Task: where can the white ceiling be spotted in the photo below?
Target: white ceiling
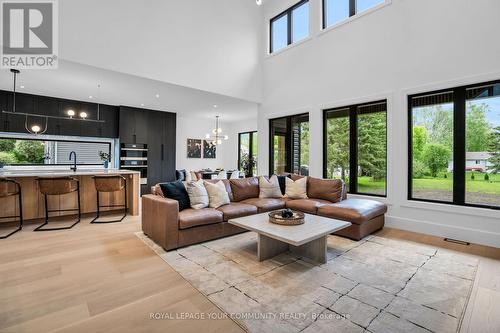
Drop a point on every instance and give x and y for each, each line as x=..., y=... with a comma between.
x=76, y=81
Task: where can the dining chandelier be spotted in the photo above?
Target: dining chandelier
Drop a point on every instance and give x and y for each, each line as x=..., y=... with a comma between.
x=216, y=136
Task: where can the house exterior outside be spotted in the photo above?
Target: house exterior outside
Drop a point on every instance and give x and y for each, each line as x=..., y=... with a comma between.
x=474, y=161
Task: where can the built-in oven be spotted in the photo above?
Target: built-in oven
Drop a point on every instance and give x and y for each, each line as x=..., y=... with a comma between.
x=134, y=156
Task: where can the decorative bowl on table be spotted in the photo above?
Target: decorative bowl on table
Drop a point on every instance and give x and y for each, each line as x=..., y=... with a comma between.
x=286, y=217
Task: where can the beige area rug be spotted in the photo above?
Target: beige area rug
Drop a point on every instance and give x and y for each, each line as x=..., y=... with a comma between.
x=374, y=285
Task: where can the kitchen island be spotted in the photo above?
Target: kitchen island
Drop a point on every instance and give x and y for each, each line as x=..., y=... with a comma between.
x=33, y=201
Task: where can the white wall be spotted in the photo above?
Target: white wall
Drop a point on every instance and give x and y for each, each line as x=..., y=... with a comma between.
x=399, y=49
x=207, y=45
x=196, y=128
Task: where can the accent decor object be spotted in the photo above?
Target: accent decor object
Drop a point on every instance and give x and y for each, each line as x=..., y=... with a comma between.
x=286, y=217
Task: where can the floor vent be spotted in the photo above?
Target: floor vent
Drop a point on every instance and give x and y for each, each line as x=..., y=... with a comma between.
x=456, y=241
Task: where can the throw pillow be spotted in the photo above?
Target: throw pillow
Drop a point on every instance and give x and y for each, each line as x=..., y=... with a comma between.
x=176, y=191
x=244, y=188
x=326, y=189
x=194, y=176
x=296, y=189
x=217, y=194
x=188, y=176
x=282, y=182
x=198, y=195
x=269, y=188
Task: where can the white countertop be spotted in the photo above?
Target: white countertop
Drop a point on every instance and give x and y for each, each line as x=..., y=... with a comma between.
x=47, y=172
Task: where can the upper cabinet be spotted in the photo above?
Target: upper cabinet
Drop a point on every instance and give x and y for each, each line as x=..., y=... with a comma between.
x=58, y=107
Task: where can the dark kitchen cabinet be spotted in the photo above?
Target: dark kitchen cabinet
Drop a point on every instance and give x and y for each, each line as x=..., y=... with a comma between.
x=157, y=130
x=133, y=125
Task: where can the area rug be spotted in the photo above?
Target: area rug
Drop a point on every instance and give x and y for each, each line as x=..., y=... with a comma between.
x=376, y=285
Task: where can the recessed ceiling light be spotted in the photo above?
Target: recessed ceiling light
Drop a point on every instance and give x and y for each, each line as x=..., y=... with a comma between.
x=142, y=104
x=157, y=96
x=258, y=2
x=90, y=97
x=22, y=87
x=216, y=106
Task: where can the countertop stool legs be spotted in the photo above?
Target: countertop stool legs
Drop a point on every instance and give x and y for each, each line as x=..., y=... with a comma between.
x=59, y=186
x=110, y=184
x=10, y=188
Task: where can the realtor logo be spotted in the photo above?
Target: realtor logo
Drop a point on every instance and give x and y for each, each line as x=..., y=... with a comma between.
x=29, y=34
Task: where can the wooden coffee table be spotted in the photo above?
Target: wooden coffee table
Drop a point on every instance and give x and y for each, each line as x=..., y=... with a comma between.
x=308, y=239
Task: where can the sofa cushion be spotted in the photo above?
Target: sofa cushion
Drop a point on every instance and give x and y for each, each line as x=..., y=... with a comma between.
x=353, y=210
x=226, y=184
x=245, y=188
x=237, y=209
x=306, y=205
x=269, y=188
x=326, y=189
x=195, y=217
x=296, y=189
x=176, y=191
x=198, y=195
x=265, y=204
x=217, y=194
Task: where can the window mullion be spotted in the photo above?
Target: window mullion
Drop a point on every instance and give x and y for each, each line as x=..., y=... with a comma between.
x=352, y=7
x=459, y=146
x=289, y=27
x=353, y=149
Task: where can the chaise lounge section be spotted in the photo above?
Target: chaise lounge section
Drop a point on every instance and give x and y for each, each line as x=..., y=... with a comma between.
x=171, y=229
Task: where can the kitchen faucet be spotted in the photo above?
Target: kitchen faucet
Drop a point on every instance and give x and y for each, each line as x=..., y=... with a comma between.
x=74, y=162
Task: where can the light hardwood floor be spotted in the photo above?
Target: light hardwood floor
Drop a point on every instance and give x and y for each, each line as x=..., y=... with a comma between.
x=102, y=278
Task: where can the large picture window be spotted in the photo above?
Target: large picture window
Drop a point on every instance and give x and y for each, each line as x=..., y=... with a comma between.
x=247, y=153
x=290, y=26
x=289, y=145
x=454, y=146
x=355, y=147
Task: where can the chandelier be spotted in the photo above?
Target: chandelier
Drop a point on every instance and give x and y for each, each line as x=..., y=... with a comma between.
x=35, y=127
x=216, y=137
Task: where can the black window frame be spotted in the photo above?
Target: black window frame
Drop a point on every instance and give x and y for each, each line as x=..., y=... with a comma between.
x=288, y=14
x=352, y=11
x=250, y=145
x=459, y=144
x=352, y=114
x=288, y=140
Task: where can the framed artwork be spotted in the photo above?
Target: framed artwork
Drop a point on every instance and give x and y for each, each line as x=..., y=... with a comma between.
x=209, y=149
x=194, y=148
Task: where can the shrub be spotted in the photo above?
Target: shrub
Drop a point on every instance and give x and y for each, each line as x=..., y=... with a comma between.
x=436, y=157
x=29, y=151
x=7, y=158
x=486, y=177
x=472, y=177
x=7, y=145
x=419, y=169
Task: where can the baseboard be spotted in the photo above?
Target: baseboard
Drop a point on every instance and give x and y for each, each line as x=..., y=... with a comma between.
x=435, y=229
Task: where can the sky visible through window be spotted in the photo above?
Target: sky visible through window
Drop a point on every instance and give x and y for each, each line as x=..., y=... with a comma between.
x=362, y=5
x=280, y=33
x=300, y=22
x=336, y=11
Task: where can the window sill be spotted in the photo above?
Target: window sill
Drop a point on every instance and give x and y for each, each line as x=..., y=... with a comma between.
x=288, y=47
x=353, y=18
x=454, y=209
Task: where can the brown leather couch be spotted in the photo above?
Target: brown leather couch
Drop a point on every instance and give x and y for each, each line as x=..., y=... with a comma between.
x=171, y=229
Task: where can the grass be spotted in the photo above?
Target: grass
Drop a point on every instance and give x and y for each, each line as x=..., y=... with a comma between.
x=478, y=185
x=446, y=184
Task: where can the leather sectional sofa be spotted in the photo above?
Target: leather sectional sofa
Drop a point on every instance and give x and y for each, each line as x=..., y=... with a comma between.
x=171, y=229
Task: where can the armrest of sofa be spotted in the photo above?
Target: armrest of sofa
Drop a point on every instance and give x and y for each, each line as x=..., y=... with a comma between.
x=160, y=220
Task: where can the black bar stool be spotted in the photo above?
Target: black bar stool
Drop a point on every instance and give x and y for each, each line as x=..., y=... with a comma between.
x=110, y=183
x=58, y=186
x=10, y=188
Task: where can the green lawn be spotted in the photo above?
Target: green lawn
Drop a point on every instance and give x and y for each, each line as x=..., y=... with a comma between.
x=446, y=184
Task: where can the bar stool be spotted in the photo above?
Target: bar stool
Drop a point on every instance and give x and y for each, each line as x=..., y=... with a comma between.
x=10, y=188
x=110, y=183
x=58, y=186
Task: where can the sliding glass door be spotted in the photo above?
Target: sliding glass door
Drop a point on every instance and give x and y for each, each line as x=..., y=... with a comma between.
x=247, y=156
x=289, y=145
